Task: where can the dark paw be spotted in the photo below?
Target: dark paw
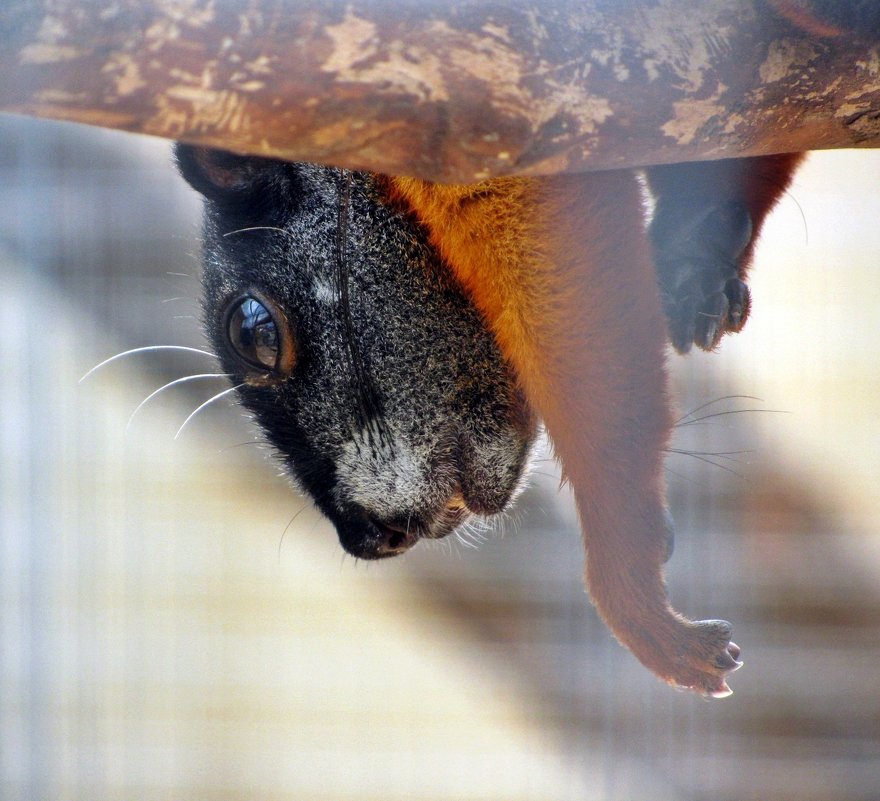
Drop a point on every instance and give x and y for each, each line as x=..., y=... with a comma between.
x=714, y=657
x=723, y=312
x=696, y=251
x=690, y=655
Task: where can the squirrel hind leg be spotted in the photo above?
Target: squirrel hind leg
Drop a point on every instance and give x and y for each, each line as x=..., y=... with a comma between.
x=707, y=220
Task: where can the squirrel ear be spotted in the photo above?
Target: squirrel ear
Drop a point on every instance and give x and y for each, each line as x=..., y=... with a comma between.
x=218, y=174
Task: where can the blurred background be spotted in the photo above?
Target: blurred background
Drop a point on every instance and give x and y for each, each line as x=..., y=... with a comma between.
x=177, y=623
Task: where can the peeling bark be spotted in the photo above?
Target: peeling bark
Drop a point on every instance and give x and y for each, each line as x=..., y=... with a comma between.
x=449, y=91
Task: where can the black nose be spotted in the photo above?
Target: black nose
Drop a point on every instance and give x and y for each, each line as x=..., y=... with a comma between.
x=369, y=538
x=394, y=538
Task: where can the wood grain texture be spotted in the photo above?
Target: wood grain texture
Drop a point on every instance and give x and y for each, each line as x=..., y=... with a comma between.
x=455, y=91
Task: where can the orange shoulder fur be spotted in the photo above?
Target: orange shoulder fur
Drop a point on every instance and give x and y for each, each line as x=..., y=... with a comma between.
x=560, y=268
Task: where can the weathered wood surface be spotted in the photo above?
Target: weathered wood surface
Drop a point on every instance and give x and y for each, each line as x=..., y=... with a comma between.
x=446, y=90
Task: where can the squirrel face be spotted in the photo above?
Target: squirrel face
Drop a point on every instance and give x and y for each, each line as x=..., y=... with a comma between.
x=368, y=369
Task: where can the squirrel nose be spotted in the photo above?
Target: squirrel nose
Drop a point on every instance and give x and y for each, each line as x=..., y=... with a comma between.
x=368, y=537
x=393, y=538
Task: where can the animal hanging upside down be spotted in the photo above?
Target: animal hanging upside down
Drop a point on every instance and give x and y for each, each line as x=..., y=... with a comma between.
x=397, y=341
x=343, y=304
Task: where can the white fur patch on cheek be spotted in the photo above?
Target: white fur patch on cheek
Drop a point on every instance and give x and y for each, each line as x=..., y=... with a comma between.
x=388, y=478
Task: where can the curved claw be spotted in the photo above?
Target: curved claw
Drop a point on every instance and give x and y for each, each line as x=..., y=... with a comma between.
x=723, y=691
x=739, y=303
x=712, y=321
x=727, y=661
x=713, y=679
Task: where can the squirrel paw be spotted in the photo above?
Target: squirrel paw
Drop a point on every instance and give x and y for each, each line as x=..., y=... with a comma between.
x=708, y=658
x=690, y=655
x=723, y=312
x=702, y=292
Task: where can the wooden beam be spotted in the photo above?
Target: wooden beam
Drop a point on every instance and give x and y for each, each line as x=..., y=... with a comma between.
x=452, y=91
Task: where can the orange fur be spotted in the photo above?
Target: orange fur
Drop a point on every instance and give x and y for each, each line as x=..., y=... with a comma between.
x=563, y=276
x=561, y=270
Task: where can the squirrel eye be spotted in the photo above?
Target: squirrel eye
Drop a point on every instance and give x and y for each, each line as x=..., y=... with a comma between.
x=256, y=332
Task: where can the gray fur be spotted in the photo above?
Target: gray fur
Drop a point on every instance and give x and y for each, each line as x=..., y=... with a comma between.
x=399, y=405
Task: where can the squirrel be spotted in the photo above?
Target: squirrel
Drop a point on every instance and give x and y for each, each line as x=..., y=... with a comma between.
x=398, y=340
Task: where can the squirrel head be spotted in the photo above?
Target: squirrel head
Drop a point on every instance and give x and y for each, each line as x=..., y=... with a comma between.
x=364, y=363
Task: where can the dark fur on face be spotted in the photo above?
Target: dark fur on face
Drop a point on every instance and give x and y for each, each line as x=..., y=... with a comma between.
x=389, y=403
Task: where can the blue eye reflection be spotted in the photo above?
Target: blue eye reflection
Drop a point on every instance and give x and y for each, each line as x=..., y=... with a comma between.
x=253, y=334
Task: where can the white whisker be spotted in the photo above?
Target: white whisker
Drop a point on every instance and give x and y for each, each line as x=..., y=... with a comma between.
x=447, y=545
x=289, y=524
x=144, y=350
x=282, y=473
x=466, y=537
x=170, y=384
x=257, y=228
x=206, y=403
x=466, y=542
